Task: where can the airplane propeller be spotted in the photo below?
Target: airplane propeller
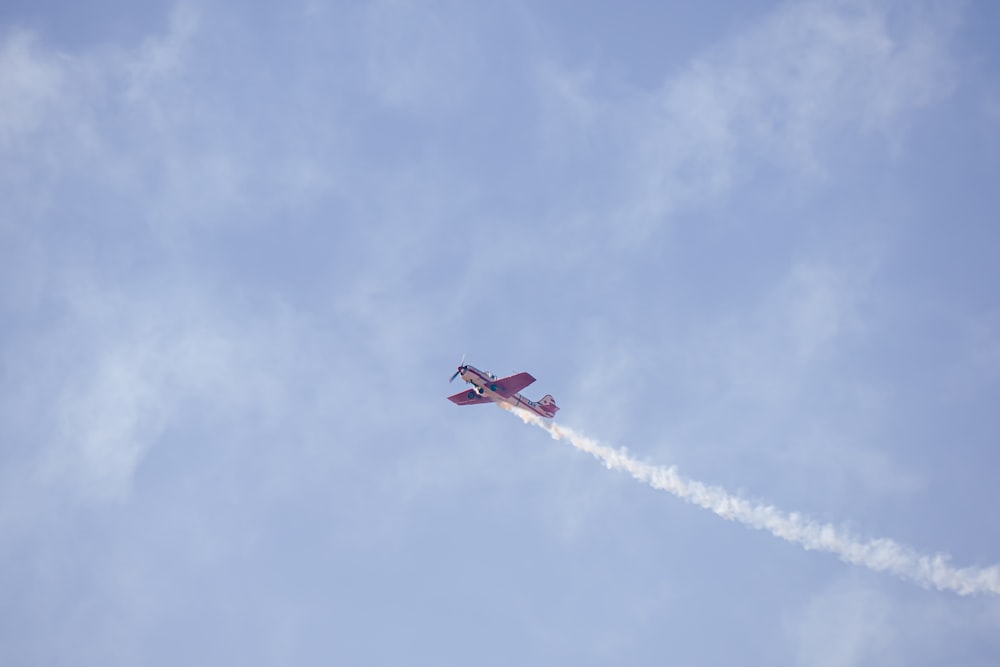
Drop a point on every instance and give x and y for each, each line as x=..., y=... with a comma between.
x=461, y=365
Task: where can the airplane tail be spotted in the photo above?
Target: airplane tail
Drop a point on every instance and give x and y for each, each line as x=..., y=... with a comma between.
x=548, y=405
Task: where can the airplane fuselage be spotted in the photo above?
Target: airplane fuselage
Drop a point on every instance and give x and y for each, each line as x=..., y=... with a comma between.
x=485, y=385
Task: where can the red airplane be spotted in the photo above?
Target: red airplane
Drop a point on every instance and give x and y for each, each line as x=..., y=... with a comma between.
x=488, y=388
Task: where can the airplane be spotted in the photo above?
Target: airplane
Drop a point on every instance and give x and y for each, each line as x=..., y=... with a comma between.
x=488, y=388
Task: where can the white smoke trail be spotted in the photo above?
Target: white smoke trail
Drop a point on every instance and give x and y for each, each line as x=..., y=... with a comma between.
x=882, y=555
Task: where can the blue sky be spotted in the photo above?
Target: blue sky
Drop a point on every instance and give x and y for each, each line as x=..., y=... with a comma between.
x=242, y=248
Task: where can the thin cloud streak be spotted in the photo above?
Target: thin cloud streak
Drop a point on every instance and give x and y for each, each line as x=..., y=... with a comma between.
x=880, y=554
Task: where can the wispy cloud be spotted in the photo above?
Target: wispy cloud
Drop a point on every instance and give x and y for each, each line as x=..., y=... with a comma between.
x=417, y=60
x=845, y=626
x=29, y=82
x=783, y=90
x=778, y=96
x=129, y=371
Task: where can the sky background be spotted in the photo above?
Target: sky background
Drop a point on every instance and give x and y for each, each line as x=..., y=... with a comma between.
x=243, y=246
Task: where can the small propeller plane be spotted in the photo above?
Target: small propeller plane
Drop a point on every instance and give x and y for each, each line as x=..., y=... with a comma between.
x=488, y=388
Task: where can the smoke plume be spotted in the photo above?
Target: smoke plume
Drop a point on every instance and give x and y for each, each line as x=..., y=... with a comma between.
x=881, y=555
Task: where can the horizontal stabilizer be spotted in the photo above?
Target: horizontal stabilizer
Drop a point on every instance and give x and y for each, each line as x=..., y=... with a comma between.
x=548, y=405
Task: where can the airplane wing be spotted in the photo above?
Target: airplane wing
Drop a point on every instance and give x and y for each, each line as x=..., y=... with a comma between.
x=468, y=397
x=512, y=384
